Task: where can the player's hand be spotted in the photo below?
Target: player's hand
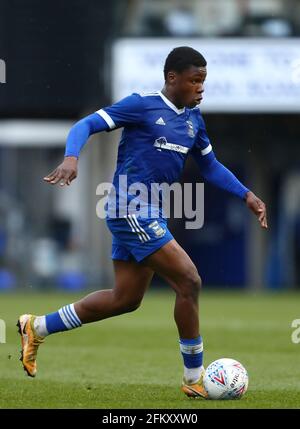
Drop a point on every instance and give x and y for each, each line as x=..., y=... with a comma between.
x=64, y=173
x=258, y=207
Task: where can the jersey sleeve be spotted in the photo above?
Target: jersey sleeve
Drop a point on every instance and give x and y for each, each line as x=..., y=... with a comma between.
x=202, y=147
x=81, y=131
x=128, y=111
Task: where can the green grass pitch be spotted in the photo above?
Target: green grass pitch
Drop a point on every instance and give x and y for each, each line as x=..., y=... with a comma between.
x=133, y=360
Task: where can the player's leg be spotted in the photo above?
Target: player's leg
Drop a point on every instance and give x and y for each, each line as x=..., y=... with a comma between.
x=131, y=282
x=173, y=264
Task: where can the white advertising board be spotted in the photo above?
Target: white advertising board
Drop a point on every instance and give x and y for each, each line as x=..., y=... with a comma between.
x=244, y=75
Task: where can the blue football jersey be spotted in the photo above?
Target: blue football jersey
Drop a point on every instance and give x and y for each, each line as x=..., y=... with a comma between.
x=156, y=139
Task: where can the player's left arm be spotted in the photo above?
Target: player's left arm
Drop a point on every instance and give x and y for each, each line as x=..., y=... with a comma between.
x=217, y=174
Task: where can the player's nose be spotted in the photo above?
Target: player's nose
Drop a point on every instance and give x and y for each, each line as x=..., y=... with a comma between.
x=200, y=89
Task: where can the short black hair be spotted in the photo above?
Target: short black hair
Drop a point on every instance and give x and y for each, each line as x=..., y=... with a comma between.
x=181, y=58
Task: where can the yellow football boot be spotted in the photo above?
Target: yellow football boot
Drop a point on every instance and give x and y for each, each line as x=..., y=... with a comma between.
x=30, y=343
x=195, y=390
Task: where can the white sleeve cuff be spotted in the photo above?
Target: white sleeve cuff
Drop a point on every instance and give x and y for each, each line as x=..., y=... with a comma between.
x=206, y=150
x=107, y=118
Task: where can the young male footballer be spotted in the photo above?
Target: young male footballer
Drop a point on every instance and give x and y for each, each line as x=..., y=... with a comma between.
x=160, y=130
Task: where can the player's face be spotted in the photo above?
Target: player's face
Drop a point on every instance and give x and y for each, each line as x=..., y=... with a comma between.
x=188, y=86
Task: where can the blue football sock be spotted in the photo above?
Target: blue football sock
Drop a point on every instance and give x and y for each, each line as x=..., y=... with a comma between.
x=62, y=320
x=192, y=353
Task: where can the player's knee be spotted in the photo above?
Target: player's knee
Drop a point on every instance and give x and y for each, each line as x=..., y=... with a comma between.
x=194, y=283
x=191, y=284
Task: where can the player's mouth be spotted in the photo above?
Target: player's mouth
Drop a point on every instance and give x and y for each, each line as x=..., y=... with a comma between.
x=198, y=100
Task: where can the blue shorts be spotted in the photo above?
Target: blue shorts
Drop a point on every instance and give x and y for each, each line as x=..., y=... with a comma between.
x=137, y=237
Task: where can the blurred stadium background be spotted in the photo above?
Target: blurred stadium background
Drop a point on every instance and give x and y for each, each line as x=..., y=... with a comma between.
x=64, y=62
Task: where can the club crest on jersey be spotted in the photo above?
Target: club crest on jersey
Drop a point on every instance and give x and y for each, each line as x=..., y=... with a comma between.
x=157, y=229
x=190, y=127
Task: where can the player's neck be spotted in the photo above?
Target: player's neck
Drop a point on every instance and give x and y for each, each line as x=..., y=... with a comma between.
x=168, y=93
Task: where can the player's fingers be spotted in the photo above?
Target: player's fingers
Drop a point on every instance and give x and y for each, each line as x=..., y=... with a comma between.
x=56, y=179
x=254, y=206
x=71, y=178
x=256, y=210
x=50, y=179
x=50, y=176
x=67, y=178
x=263, y=221
x=260, y=206
x=69, y=181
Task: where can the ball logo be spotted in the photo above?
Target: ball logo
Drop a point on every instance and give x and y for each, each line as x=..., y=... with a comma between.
x=234, y=380
x=218, y=377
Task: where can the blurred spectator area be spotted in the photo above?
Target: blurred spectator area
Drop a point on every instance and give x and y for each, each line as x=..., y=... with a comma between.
x=47, y=233
x=212, y=18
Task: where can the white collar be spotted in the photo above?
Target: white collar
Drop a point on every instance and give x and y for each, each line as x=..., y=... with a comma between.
x=170, y=104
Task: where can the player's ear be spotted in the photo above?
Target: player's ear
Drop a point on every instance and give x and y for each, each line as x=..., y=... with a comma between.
x=171, y=77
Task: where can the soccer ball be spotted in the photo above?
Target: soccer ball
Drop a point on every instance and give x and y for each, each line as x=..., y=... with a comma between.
x=225, y=379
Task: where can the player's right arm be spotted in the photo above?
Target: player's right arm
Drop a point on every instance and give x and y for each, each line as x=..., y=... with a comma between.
x=128, y=111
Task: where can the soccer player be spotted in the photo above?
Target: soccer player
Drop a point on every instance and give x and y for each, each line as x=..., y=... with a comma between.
x=160, y=130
